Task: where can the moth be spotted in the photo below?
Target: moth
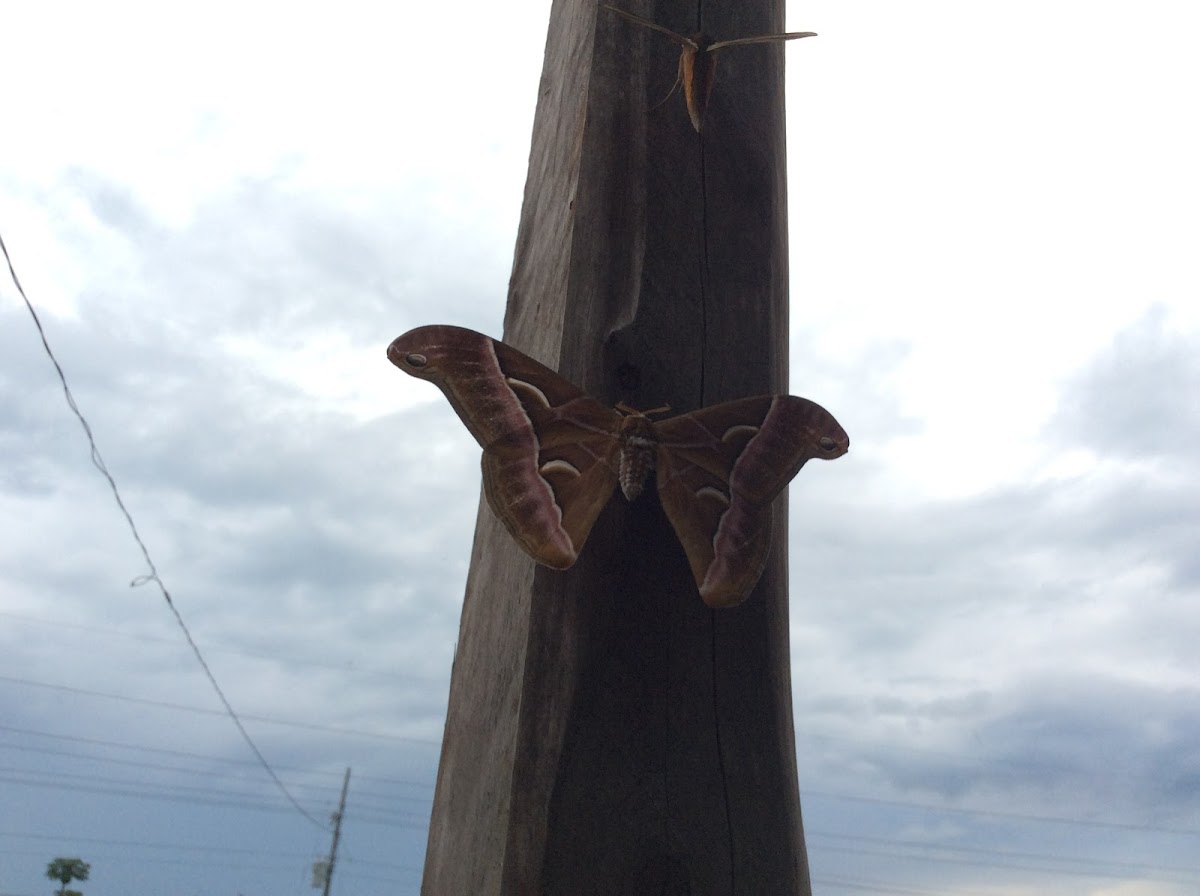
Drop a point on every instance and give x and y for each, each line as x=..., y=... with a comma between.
x=552, y=456
x=698, y=61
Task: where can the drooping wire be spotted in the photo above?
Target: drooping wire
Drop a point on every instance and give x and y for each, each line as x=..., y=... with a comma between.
x=152, y=576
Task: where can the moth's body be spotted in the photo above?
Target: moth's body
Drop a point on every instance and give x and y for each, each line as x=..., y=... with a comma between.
x=638, y=447
x=698, y=61
x=697, y=73
x=552, y=456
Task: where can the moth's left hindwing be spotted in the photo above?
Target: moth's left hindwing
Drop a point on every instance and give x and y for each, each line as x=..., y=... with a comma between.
x=549, y=451
x=720, y=468
x=548, y=490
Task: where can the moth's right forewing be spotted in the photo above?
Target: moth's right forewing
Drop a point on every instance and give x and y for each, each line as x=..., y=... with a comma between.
x=789, y=436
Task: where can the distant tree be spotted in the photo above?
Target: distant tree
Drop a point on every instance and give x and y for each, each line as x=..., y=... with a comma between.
x=67, y=870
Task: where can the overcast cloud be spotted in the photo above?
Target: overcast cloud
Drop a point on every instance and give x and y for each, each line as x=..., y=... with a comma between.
x=224, y=215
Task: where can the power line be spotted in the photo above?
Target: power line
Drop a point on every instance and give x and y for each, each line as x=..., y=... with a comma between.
x=999, y=813
x=150, y=860
x=41, y=778
x=1136, y=867
x=382, y=815
x=370, y=817
x=350, y=860
x=807, y=749
x=930, y=853
x=191, y=847
x=161, y=797
x=809, y=792
x=927, y=852
x=926, y=860
x=420, y=823
x=38, y=776
x=163, y=704
x=153, y=576
x=183, y=847
x=399, y=821
x=873, y=887
x=353, y=875
x=353, y=668
x=205, y=756
x=228, y=775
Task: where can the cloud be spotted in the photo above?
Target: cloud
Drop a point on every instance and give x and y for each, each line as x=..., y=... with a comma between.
x=993, y=595
x=1137, y=401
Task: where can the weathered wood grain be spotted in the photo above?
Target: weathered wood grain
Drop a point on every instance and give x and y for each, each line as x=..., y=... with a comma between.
x=607, y=733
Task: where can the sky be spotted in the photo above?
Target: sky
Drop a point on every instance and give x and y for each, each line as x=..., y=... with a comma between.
x=224, y=213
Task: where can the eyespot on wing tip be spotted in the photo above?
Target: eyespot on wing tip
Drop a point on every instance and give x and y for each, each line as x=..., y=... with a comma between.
x=396, y=353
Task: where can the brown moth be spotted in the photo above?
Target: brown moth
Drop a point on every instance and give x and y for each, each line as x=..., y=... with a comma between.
x=698, y=61
x=552, y=456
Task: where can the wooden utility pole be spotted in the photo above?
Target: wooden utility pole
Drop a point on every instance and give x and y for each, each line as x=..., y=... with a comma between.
x=337, y=834
x=607, y=733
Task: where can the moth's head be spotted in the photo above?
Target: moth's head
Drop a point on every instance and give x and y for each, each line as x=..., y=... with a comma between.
x=423, y=352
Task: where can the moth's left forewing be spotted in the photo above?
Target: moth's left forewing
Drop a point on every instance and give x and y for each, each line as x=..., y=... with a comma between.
x=549, y=451
x=720, y=468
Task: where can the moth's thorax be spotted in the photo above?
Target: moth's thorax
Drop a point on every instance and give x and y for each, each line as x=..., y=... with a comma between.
x=638, y=445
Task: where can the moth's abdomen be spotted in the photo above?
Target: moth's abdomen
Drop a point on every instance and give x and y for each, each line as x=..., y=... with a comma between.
x=637, y=460
x=638, y=447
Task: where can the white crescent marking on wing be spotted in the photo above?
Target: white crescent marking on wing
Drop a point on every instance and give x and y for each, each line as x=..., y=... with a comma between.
x=530, y=388
x=735, y=431
x=558, y=466
x=709, y=492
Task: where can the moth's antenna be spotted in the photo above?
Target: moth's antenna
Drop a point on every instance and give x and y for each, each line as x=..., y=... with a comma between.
x=634, y=412
x=670, y=92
